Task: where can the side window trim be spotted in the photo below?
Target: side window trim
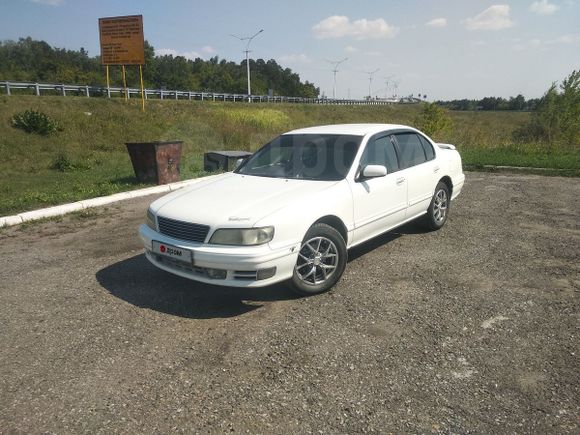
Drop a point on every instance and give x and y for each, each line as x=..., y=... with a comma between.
x=393, y=140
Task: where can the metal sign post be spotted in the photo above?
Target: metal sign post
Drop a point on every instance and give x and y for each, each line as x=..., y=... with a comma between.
x=142, y=89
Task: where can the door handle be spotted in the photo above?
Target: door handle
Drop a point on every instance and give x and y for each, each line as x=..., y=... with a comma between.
x=436, y=169
x=400, y=181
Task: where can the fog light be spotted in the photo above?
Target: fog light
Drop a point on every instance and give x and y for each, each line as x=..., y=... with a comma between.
x=266, y=273
x=216, y=273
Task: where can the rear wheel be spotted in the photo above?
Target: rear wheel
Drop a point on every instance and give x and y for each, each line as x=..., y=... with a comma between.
x=321, y=260
x=438, y=208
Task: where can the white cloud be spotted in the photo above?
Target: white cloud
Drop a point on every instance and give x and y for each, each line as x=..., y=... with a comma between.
x=338, y=26
x=192, y=55
x=208, y=49
x=294, y=58
x=351, y=49
x=565, y=39
x=373, y=53
x=49, y=2
x=437, y=22
x=538, y=44
x=542, y=7
x=496, y=17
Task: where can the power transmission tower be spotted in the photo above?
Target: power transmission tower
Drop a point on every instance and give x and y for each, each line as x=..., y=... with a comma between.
x=247, y=51
x=335, y=63
x=371, y=73
x=389, y=83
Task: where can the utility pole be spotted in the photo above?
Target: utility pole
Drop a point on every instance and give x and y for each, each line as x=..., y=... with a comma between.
x=247, y=51
x=371, y=73
x=335, y=63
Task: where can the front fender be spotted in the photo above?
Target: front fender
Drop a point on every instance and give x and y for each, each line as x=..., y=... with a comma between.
x=293, y=221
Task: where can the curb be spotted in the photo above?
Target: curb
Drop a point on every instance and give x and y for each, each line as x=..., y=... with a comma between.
x=60, y=210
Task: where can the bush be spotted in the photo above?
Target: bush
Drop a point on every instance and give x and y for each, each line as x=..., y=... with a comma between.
x=62, y=163
x=433, y=119
x=32, y=121
x=556, y=120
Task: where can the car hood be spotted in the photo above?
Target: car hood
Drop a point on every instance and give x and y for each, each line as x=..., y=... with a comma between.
x=235, y=200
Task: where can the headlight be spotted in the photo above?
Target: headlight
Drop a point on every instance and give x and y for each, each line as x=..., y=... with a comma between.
x=151, y=220
x=242, y=236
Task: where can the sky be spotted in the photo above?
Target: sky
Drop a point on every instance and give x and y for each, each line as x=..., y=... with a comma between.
x=445, y=49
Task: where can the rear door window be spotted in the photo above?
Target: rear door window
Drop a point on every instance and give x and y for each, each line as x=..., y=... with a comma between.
x=411, y=149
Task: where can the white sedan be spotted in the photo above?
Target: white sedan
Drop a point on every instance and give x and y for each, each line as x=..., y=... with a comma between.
x=291, y=211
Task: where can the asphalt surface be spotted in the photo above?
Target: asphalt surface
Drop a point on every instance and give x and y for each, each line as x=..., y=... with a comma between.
x=470, y=329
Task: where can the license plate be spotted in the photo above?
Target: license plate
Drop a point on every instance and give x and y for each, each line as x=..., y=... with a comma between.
x=166, y=250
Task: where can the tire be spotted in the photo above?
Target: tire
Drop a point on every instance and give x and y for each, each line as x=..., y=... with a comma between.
x=438, y=210
x=321, y=261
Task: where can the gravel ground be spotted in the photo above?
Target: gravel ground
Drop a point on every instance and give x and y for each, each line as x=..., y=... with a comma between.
x=470, y=329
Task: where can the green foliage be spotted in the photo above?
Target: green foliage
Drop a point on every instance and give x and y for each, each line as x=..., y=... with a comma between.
x=36, y=61
x=62, y=163
x=567, y=162
x=556, y=120
x=492, y=104
x=433, y=119
x=32, y=121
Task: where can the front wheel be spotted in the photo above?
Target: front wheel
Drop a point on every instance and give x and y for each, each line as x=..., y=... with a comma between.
x=321, y=260
x=438, y=208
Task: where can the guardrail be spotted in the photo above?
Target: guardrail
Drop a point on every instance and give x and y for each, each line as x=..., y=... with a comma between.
x=103, y=91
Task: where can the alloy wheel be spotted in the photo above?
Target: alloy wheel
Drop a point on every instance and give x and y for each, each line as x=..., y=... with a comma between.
x=440, y=206
x=317, y=260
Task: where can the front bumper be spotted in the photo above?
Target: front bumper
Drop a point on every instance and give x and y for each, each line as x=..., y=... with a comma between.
x=244, y=266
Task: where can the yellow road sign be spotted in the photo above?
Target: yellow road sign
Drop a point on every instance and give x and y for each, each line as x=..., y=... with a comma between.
x=122, y=41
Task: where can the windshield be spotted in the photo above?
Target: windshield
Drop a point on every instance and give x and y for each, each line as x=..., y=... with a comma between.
x=324, y=157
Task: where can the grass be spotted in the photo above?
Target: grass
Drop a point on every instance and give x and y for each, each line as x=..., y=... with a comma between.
x=513, y=156
x=88, y=157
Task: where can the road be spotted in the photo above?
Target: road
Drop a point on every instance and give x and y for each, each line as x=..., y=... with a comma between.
x=470, y=329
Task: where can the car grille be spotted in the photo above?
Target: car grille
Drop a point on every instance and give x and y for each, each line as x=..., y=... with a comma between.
x=182, y=230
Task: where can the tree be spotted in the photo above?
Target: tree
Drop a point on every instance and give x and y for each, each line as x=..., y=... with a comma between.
x=517, y=103
x=37, y=61
x=556, y=119
x=433, y=119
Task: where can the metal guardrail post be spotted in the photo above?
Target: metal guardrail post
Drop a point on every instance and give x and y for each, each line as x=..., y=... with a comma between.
x=63, y=90
x=87, y=91
x=37, y=89
x=8, y=88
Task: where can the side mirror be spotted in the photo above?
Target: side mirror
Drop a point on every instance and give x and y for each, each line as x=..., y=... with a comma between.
x=373, y=171
x=238, y=163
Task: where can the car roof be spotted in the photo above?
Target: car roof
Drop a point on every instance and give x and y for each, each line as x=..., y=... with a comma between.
x=351, y=129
